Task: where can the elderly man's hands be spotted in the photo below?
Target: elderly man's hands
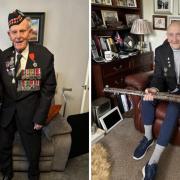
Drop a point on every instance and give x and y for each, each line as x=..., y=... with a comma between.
x=149, y=94
x=37, y=126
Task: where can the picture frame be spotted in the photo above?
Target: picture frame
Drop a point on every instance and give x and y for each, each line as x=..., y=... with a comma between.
x=147, y=47
x=130, y=19
x=96, y=1
x=163, y=6
x=108, y=2
x=159, y=22
x=103, y=2
x=38, y=20
x=173, y=18
x=121, y=3
x=131, y=3
x=109, y=16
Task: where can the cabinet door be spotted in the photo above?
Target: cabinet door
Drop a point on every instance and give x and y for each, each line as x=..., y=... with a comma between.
x=115, y=81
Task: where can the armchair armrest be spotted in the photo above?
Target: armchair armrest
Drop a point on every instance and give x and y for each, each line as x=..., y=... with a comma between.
x=57, y=126
x=138, y=81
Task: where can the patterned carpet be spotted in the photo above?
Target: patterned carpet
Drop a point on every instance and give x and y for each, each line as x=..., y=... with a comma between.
x=120, y=144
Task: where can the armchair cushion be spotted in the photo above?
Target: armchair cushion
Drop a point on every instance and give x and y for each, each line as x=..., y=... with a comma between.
x=53, y=111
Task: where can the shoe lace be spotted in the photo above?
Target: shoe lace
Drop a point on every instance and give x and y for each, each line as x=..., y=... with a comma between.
x=143, y=143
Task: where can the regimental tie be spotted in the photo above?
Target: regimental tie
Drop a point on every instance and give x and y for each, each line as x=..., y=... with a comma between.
x=18, y=64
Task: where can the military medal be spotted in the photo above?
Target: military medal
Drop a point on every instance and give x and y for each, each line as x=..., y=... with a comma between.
x=165, y=71
x=13, y=81
x=35, y=64
x=32, y=57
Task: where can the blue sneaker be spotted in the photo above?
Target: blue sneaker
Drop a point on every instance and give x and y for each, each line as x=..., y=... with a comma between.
x=141, y=149
x=149, y=171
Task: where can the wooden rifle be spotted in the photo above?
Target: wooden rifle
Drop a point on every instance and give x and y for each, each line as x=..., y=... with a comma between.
x=160, y=95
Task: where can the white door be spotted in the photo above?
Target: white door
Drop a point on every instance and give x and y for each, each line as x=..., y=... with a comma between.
x=85, y=96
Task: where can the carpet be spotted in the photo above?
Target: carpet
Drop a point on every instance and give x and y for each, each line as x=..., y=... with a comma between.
x=100, y=163
x=77, y=169
x=120, y=143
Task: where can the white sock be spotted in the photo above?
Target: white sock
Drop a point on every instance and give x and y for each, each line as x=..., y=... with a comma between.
x=148, y=131
x=156, y=154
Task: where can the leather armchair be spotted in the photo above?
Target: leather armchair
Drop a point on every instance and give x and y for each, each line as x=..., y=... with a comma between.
x=140, y=81
x=56, y=144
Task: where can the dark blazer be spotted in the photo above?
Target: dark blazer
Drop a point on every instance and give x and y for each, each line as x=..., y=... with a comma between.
x=31, y=106
x=164, y=77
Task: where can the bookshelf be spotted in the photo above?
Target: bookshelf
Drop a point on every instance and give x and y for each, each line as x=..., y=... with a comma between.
x=121, y=11
x=113, y=73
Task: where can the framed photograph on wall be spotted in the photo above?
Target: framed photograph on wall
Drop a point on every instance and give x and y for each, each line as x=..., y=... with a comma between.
x=131, y=3
x=109, y=16
x=173, y=18
x=159, y=22
x=38, y=19
x=130, y=19
x=163, y=6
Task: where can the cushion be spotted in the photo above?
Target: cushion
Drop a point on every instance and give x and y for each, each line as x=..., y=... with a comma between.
x=53, y=112
x=80, y=134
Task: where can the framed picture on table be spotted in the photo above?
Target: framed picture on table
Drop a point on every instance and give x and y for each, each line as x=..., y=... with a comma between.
x=131, y=3
x=109, y=16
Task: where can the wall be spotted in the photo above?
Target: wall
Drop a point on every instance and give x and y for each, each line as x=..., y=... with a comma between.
x=158, y=36
x=66, y=35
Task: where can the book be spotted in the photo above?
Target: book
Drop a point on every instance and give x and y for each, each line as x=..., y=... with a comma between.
x=98, y=46
x=94, y=51
x=124, y=102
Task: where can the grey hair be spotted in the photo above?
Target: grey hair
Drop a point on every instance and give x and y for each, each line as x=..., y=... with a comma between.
x=29, y=21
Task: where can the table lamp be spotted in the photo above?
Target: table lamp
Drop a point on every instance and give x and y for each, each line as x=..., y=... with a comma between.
x=141, y=27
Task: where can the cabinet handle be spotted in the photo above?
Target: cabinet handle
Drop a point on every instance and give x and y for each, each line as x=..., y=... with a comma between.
x=117, y=68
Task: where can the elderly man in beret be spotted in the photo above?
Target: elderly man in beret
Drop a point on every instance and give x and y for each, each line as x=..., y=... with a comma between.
x=28, y=86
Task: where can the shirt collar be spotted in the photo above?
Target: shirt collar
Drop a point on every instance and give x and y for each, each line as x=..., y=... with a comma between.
x=25, y=52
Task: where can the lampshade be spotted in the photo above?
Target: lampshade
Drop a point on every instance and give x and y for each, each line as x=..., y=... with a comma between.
x=141, y=26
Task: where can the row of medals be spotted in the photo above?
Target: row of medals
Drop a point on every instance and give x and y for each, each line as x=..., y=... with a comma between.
x=11, y=68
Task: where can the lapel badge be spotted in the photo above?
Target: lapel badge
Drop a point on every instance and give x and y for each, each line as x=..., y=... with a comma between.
x=34, y=64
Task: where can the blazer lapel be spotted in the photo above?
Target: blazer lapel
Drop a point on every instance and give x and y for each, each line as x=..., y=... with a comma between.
x=30, y=60
x=9, y=60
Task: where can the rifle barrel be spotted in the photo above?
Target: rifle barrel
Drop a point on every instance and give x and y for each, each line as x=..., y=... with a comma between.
x=161, y=95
